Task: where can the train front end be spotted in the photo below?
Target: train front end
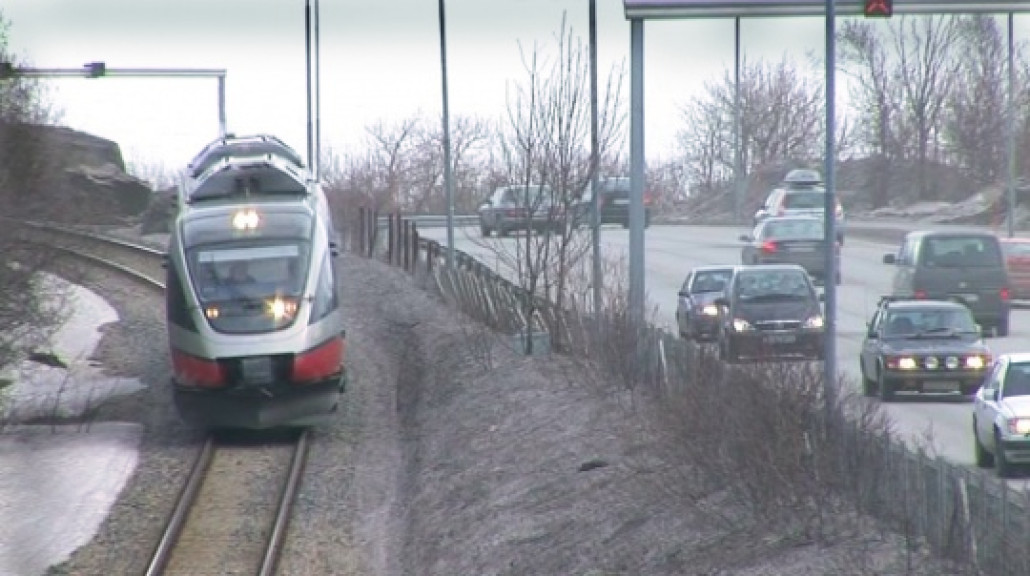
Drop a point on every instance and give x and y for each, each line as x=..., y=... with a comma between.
x=254, y=326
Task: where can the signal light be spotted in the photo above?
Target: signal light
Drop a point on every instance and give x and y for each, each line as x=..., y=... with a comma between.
x=95, y=69
x=878, y=8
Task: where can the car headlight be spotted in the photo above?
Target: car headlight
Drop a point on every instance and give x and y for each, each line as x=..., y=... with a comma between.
x=814, y=322
x=1019, y=426
x=710, y=310
x=741, y=325
x=951, y=362
x=931, y=363
x=901, y=363
x=975, y=362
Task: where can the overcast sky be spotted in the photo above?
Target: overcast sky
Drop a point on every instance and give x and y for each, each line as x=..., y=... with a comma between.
x=380, y=61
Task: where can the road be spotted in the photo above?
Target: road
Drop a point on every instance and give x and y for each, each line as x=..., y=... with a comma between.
x=941, y=423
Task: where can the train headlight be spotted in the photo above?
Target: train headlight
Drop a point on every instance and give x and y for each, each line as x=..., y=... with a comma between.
x=282, y=308
x=246, y=219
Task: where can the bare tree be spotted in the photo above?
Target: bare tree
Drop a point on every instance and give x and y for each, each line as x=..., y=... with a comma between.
x=31, y=308
x=781, y=120
x=926, y=69
x=544, y=150
x=976, y=124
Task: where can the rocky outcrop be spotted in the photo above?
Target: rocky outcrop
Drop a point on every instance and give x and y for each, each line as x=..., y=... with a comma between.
x=57, y=173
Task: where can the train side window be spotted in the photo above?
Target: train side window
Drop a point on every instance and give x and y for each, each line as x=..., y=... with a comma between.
x=325, y=300
x=175, y=300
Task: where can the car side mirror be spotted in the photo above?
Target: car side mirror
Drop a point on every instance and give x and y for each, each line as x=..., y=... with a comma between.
x=889, y=259
x=744, y=238
x=684, y=293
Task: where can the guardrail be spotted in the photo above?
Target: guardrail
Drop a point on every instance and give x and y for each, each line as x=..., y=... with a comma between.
x=959, y=512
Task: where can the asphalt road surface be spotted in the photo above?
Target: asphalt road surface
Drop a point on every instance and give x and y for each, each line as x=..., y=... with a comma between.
x=940, y=422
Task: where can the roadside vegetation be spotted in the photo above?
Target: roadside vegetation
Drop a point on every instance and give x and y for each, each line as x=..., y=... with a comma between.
x=31, y=309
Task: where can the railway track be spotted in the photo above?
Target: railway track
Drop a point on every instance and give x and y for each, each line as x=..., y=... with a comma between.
x=233, y=512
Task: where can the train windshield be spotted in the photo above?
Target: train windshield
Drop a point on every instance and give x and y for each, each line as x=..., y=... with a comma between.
x=249, y=288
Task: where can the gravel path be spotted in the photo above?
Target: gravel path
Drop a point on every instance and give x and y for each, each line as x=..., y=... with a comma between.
x=451, y=456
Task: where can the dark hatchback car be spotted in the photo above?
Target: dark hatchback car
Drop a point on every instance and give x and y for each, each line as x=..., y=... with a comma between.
x=771, y=312
x=613, y=203
x=697, y=315
x=790, y=240
x=926, y=346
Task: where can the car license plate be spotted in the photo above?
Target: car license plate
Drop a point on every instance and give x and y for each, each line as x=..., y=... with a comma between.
x=621, y=201
x=940, y=386
x=257, y=370
x=780, y=338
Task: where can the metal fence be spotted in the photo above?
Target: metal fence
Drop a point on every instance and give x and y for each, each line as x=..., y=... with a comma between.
x=960, y=513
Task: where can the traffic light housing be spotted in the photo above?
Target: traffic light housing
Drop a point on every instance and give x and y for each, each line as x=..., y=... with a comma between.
x=95, y=69
x=878, y=8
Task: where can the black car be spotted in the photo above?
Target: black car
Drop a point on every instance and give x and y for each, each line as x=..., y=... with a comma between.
x=927, y=346
x=790, y=240
x=697, y=315
x=613, y=203
x=771, y=311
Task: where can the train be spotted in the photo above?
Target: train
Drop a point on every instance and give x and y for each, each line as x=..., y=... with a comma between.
x=255, y=329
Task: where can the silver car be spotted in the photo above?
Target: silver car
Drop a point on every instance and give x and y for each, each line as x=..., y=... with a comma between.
x=697, y=316
x=521, y=208
x=1001, y=415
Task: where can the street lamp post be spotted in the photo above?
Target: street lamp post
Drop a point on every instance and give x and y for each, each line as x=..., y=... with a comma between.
x=99, y=70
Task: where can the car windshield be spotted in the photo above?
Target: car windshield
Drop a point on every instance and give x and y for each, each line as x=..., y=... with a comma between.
x=774, y=285
x=932, y=322
x=1017, y=380
x=710, y=281
x=800, y=229
x=805, y=200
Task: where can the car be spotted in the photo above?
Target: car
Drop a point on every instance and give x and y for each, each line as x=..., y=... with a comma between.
x=1017, y=258
x=697, y=315
x=801, y=193
x=964, y=265
x=530, y=208
x=925, y=346
x=613, y=203
x=1001, y=415
x=790, y=240
x=770, y=312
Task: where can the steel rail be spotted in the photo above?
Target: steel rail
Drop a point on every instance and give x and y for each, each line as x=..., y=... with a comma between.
x=273, y=548
x=170, y=536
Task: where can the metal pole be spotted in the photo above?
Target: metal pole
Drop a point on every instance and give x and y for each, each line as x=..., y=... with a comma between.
x=448, y=178
x=830, y=215
x=318, y=99
x=222, y=130
x=738, y=157
x=307, y=56
x=1011, y=144
x=636, y=160
x=595, y=213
